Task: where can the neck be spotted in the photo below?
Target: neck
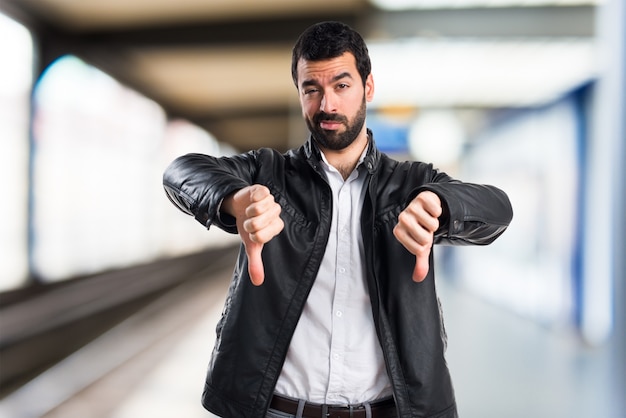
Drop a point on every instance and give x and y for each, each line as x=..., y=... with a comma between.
x=345, y=160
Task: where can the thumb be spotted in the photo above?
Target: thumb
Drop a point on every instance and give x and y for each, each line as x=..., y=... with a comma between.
x=421, y=267
x=255, y=263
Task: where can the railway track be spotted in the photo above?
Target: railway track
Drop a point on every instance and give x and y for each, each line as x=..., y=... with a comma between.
x=133, y=335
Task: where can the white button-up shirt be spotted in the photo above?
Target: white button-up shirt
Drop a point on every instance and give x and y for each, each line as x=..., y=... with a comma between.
x=335, y=356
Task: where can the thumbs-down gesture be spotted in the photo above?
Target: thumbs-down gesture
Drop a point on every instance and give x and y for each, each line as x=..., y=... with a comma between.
x=415, y=230
x=258, y=221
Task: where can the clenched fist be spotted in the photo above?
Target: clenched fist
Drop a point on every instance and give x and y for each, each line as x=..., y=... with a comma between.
x=258, y=221
x=416, y=227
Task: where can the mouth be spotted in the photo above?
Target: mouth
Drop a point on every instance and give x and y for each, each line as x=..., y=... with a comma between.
x=329, y=125
x=329, y=122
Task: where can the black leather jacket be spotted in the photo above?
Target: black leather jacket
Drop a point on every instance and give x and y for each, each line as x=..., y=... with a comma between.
x=257, y=323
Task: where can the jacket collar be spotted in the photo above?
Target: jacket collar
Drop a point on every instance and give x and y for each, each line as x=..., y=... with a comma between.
x=370, y=162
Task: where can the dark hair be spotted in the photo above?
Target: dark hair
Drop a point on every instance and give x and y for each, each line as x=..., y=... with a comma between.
x=327, y=40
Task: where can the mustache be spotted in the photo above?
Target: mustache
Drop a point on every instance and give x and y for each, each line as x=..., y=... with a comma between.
x=323, y=116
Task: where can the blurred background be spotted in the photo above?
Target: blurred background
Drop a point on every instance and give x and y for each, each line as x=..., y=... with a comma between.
x=109, y=295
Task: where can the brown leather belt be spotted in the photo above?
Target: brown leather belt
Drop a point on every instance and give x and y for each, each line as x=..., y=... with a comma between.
x=381, y=409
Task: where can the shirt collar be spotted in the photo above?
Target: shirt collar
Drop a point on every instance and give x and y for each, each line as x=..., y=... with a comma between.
x=371, y=157
x=327, y=165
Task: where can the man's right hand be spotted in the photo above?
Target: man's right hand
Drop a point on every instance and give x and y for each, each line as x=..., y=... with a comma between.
x=258, y=221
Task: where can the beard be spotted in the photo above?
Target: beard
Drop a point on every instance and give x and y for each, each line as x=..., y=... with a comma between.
x=334, y=140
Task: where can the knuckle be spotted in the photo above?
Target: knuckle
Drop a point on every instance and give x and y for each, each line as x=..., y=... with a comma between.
x=277, y=208
x=252, y=225
x=248, y=226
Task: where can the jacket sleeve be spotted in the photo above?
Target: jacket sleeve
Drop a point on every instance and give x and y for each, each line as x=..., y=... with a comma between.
x=197, y=184
x=474, y=214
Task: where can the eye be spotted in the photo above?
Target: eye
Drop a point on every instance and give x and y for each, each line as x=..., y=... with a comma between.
x=342, y=86
x=310, y=91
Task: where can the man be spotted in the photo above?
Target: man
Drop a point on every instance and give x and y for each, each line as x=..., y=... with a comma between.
x=332, y=309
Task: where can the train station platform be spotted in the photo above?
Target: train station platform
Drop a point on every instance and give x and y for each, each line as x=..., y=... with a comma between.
x=153, y=364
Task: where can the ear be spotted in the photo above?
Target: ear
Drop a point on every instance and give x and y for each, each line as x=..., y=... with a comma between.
x=369, y=88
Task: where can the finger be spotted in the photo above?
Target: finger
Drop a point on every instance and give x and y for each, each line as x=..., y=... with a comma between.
x=411, y=233
x=430, y=224
x=420, y=250
x=433, y=206
x=417, y=215
x=421, y=267
x=258, y=192
x=430, y=202
x=268, y=232
x=264, y=227
x=255, y=263
x=267, y=206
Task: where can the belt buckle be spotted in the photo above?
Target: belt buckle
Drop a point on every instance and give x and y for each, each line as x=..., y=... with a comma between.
x=327, y=414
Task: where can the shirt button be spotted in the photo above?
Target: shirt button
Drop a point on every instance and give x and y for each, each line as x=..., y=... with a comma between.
x=342, y=270
x=339, y=314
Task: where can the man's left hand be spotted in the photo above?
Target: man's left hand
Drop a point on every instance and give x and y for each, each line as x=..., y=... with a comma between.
x=416, y=228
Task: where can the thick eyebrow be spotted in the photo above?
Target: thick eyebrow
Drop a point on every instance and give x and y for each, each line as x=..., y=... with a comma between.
x=345, y=74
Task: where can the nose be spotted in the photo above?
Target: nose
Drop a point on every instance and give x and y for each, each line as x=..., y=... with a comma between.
x=328, y=103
